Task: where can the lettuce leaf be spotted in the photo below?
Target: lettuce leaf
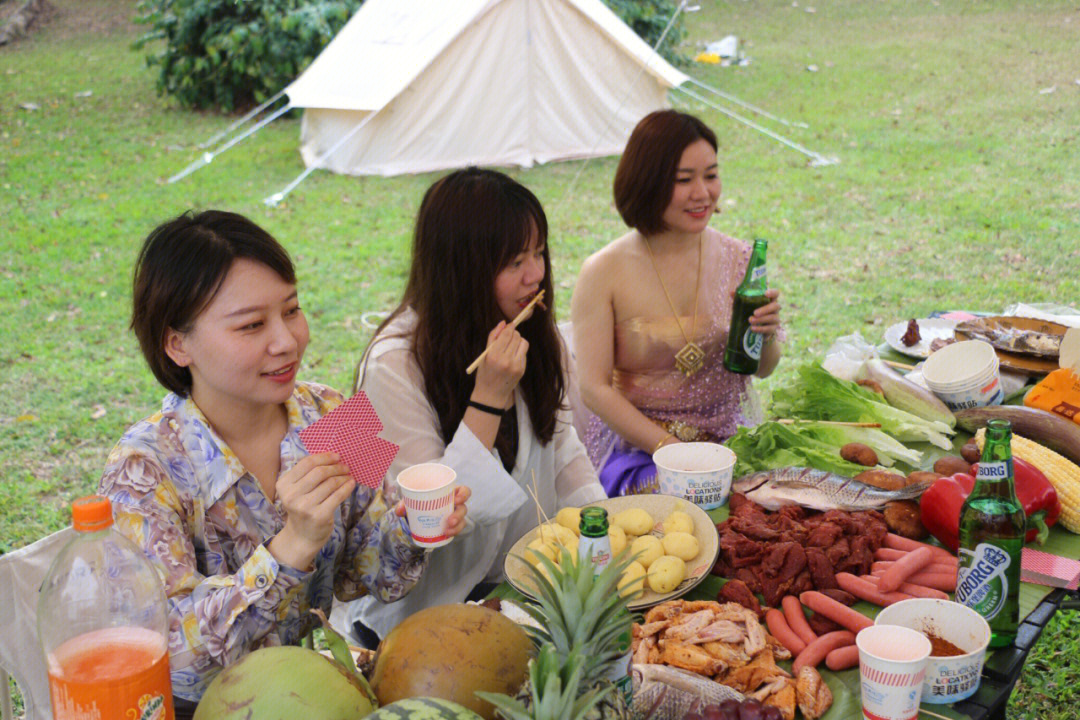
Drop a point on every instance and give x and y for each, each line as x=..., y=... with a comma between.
x=772, y=445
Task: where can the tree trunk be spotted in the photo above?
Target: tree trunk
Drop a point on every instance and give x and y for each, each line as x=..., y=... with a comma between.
x=21, y=20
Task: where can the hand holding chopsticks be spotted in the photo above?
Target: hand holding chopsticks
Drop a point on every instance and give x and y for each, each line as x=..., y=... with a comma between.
x=521, y=317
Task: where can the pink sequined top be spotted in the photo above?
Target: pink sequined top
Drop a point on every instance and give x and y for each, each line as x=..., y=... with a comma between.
x=712, y=399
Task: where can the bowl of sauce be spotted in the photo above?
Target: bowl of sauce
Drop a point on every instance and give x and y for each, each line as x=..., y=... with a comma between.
x=958, y=639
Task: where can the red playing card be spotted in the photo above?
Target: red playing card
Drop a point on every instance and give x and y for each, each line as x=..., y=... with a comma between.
x=368, y=458
x=1045, y=568
x=350, y=430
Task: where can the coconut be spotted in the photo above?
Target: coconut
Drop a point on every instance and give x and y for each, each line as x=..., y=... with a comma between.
x=450, y=652
x=284, y=683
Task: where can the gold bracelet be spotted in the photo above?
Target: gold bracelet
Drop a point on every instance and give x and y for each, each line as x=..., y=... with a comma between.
x=662, y=441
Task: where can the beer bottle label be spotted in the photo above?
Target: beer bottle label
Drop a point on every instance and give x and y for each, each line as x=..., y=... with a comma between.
x=995, y=471
x=595, y=551
x=981, y=582
x=752, y=344
x=758, y=273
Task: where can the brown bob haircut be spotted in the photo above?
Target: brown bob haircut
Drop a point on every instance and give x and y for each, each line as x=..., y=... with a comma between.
x=645, y=178
x=179, y=270
x=471, y=225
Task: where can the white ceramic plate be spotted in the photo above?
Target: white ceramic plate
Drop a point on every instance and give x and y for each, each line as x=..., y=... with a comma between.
x=658, y=506
x=930, y=329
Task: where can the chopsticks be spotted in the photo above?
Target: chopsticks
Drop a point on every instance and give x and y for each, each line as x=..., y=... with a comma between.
x=789, y=421
x=898, y=365
x=521, y=317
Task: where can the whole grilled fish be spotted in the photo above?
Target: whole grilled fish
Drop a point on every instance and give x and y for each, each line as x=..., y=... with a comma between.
x=1012, y=339
x=667, y=693
x=818, y=490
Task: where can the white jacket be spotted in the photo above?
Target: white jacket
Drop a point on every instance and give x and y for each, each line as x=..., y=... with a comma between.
x=501, y=509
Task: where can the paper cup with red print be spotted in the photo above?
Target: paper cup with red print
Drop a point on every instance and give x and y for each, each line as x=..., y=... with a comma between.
x=892, y=664
x=428, y=492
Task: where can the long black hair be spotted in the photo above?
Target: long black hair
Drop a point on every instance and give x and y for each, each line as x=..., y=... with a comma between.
x=472, y=223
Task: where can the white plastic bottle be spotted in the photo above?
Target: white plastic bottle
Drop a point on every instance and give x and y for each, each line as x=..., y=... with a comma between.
x=103, y=625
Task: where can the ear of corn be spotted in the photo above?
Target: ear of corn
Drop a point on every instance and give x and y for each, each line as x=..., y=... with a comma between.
x=1062, y=473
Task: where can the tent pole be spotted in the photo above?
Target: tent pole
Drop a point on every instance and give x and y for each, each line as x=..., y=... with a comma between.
x=752, y=108
x=817, y=159
x=277, y=197
x=208, y=157
x=241, y=121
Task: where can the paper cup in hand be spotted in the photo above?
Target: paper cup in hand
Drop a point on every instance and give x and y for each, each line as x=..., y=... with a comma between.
x=892, y=664
x=428, y=492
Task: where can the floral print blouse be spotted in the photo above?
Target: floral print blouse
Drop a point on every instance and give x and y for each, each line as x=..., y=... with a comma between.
x=182, y=496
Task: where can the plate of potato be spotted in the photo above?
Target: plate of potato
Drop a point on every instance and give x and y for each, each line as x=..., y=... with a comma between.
x=675, y=541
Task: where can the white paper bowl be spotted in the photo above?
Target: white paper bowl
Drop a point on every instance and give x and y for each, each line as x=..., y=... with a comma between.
x=699, y=472
x=948, y=679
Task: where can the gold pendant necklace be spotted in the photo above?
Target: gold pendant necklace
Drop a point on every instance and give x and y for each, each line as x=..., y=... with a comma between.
x=691, y=358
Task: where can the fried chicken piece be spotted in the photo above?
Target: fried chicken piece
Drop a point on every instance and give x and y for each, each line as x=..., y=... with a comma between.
x=664, y=611
x=784, y=700
x=731, y=655
x=690, y=657
x=756, y=637
x=686, y=625
x=762, y=669
x=641, y=648
x=778, y=650
x=814, y=696
x=719, y=631
x=762, y=693
x=649, y=629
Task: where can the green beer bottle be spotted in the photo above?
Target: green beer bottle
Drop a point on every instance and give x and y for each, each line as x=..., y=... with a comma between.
x=743, y=351
x=594, y=545
x=992, y=529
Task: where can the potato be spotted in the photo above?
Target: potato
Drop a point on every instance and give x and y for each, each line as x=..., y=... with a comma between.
x=553, y=532
x=666, y=573
x=682, y=545
x=570, y=517
x=678, y=521
x=859, y=453
x=921, y=476
x=905, y=519
x=646, y=549
x=951, y=465
x=634, y=521
x=882, y=479
x=539, y=547
x=617, y=537
x=632, y=584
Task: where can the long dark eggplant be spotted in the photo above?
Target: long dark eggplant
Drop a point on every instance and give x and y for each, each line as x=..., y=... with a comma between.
x=1060, y=435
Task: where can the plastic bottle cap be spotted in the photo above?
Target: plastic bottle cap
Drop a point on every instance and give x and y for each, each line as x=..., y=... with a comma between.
x=91, y=513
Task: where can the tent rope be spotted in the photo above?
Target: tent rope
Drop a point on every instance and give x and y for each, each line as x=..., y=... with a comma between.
x=277, y=197
x=742, y=103
x=208, y=157
x=241, y=121
x=817, y=159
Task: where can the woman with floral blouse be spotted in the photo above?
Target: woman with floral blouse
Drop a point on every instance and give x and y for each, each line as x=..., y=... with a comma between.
x=247, y=530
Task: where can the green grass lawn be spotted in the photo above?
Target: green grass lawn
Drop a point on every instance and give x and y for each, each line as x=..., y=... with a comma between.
x=956, y=124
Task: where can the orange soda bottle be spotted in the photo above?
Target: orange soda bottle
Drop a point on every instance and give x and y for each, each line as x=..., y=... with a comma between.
x=103, y=625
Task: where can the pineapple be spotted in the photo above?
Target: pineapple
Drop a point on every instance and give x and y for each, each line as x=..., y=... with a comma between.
x=553, y=690
x=585, y=626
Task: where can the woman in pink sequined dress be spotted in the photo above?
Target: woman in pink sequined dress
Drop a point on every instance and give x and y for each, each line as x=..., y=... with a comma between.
x=649, y=305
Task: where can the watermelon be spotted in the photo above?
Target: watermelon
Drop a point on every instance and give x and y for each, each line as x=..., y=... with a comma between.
x=423, y=708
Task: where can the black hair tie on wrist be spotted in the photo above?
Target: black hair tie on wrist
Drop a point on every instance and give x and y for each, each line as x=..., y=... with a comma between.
x=487, y=408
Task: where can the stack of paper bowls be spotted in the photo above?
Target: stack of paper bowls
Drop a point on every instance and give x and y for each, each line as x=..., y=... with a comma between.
x=965, y=375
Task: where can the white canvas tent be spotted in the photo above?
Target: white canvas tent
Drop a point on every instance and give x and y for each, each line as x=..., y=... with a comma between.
x=413, y=86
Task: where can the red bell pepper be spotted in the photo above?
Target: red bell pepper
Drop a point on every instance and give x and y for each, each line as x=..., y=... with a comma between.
x=942, y=502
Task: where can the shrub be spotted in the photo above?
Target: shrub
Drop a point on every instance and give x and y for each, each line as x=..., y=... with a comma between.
x=648, y=18
x=229, y=54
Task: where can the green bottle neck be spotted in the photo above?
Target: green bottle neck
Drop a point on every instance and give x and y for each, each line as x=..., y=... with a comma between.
x=755, y=270
x=594, y=522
